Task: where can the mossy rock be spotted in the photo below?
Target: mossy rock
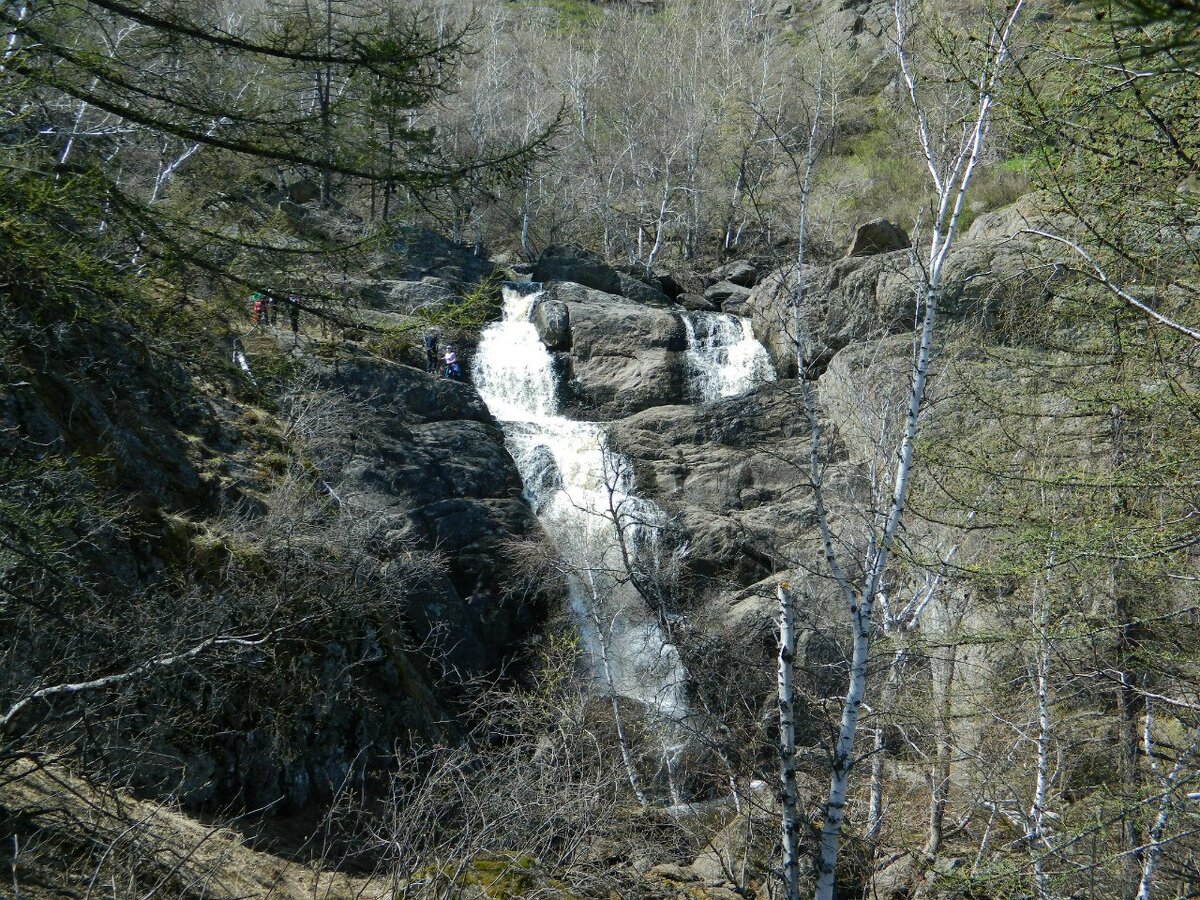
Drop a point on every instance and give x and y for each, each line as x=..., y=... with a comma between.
x=273, y=462
x=208, y=552
x=489, y=876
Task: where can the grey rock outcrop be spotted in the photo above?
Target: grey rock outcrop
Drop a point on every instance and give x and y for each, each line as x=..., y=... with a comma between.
x=430, y=467
x=850, y=300
x=718, y=468
x=862, y=298
x=417, y=252
x=1029, y=211
x=723, y=471
x=741, y=272
x=552, y=320
x=625, y=356
x=637, y=290
x=408, y=296
x=568, y=263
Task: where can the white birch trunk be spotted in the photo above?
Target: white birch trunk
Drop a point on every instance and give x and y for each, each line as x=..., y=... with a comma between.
x=843, y=753
x=1152, y=852
x=942, y=675
x=875, y=804
x=790, y=818
x=951, y=181
x=12, y=42
x=1037, y=811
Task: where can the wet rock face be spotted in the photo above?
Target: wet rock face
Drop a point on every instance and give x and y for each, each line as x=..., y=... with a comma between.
x=719, y=468
x=625, y=356
x=544, y=478
x=430, y=465
x=552, y=319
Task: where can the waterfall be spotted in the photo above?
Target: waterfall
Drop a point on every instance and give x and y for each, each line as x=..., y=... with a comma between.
x=583, y=494
x=724, y=358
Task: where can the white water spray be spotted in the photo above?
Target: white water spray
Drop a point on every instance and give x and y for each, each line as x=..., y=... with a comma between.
x=583, y=494
x=724, y=358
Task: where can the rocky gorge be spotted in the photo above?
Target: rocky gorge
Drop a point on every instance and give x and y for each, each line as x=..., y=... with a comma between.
x=628, y=469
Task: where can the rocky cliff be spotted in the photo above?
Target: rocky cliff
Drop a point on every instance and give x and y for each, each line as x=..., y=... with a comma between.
x=358, y=534
x=320, y=532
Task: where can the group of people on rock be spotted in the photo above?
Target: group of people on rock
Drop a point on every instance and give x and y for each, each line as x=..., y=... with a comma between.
x=263, y=310
x=447, y=359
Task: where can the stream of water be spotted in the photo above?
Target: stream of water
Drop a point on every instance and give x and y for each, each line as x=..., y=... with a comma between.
x=583, y=492
x=724, y=358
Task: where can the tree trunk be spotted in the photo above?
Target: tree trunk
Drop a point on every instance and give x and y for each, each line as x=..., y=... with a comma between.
x=875, y=806
x=1037, y=811
x=843, y=754
x=939, y=772
x=790, y=819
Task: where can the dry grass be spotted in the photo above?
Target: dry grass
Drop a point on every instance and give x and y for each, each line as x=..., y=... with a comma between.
x=63, y=837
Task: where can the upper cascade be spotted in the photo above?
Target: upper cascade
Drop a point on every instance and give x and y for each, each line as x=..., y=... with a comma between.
x=724, y=358
x=512, y=370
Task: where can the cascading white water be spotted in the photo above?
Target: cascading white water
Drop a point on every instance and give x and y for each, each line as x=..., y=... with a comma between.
x=583, y=494
x=724, y=358
x=512, y=369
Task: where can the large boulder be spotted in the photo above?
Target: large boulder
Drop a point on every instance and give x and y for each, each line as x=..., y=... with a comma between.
x=741, y=272
x=696, y=303
x=625, y=356
x=727, y=296
x=569, y=263
x=878, y=236
x=552, y=320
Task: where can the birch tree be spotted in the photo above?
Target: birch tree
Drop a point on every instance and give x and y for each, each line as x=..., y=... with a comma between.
x=951, y=156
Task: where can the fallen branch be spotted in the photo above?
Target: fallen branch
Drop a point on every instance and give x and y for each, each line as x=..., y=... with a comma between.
x=158, y=662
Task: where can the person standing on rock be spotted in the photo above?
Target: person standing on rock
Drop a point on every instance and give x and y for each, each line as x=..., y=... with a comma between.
x=453, y=370
x=431, y=354
x=258, y=309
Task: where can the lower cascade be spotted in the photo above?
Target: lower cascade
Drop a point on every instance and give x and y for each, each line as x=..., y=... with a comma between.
x=724, y=358
x=608, y=539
